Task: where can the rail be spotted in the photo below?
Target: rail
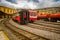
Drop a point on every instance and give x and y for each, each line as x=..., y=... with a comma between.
x=55, y=23
x=46, y=34
x=19, y=34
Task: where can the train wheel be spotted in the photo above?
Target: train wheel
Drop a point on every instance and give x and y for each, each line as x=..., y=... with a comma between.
x=15, y=21
x=38, y=18
x=46, y=19
x=53, y=20
x=31, y=21
x=22, y=23
x=25, y=22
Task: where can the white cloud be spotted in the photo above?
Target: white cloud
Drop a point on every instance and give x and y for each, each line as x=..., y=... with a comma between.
x=30, y=5
x=48, y=3
x=8, y=4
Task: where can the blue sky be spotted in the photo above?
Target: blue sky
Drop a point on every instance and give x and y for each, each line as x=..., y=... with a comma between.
x=32, y=4
x=12, y=1
x=56, y=0
x=34, y=0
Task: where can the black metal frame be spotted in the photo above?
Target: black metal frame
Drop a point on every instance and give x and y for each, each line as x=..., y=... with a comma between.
x=22, y=19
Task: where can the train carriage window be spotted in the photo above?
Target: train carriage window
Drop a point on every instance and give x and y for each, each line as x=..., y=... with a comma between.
x=32, y=14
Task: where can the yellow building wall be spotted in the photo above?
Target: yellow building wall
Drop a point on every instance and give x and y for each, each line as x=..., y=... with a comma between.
x=53, y=10
x=8, y=10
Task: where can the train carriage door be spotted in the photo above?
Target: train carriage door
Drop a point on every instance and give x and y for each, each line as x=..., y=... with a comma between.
x=27, y=16
x=24, y=20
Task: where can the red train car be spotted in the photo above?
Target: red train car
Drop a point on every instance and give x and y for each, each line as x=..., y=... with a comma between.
x=43, y=16
x=57, y=15
x=54, y=17
x=32, y=17
x=50, y=17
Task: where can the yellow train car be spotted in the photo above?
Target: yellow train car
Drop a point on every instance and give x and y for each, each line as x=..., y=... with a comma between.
x=8, y=10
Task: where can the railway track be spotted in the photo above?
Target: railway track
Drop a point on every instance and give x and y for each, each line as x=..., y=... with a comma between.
x=41, y=27
x=13, y=35
x=19, y=34
x=38, y=30
x=55, y=23
x=49, y=26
